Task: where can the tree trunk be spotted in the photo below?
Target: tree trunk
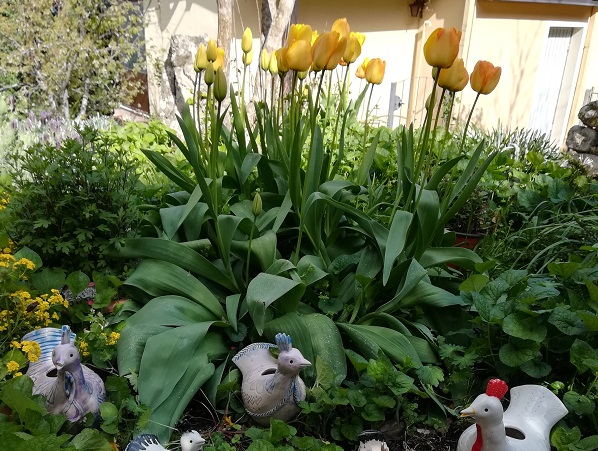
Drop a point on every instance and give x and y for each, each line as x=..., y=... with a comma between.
x=225, y=30
x=279, y=25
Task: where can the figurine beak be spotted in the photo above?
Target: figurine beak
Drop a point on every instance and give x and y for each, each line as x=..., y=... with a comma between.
x=305, y=363
x=469, y=412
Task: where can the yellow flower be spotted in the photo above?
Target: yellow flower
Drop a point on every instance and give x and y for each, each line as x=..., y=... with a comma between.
x=299, y=32
x=360, y=72
x=374, y=72
x=273, y=64
x=281, y=60
x=264, y=60
x=112, y=339
x=219, y=59
x=328, y=50
x=442, y=47
x=247, y=41
x=299, y=56
x=341, y=26
x=83, y=347
x=19, y=374
x=454, y=78
x=353, y=49
x=32, y=349
x=16, y=344
x=211, y=50
x=24, y=262
x=247, y=58
x=12, y=366
x=220, y=87
x=485, y=77
x=201, y=59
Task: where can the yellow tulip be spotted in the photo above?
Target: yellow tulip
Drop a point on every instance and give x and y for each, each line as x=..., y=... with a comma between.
x=247, y=58
x=219, y=58
x=282, y=61
x=374, y=72
x=328, y=50
x=211, y=52
x=360, y=37
x=442, y=47
x=454, y=78
x=352, y=51
x=220, y=85
x=299, y=56
x=273, y=64
x=264, y=60
x=360, y=73
x=201, y=59
x=247, y=41
x=314, y=36
x=485, y=77
x=341, y=26
x=299, y=32
x=209, y=77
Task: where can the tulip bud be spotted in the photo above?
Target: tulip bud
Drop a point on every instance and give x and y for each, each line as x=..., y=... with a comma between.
x=328, y=50
x=256, y=206
x=374, y=72
x=429, y=103
x=273, y=65
x=341, y=26
x=247, y=41
x=201, y=59
x=209, y=77
x=282, y=61
x=247, y=58
x=360, y=72
x=264, y=60
x=454, y=78
x=353, y=50
x=299, y=56
x=211, y=52
x=219, y=58
x=442, y=47
x=220, y=85
x=484, y=77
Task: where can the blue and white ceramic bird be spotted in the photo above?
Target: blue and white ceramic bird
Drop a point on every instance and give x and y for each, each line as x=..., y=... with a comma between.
x=271, y=387
x=190, y=441
x=70, y=388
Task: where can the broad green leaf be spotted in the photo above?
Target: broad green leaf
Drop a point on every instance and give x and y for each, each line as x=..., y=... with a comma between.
x=30, y=255
x=314, y=335
x=46, y=279
x=563, y=436
x=517, y=352
x=232, y=309
x=536, y=368
x=77, y=282
x=524, y=326
x=566, y=321
x=311, y=269
x=91, y=440
x=475, y=283
x=427, y=294
x=249, y=163
x=578, y=404
x=457, y=255
x=563, y=269
x=131, y=344
x=430, y=375
x=414, y=275
x=580, y=353
x=170, y=311
x=264, y=290
x=154, y=278
x=396, y=241
x=177, y=254
x=263, y=249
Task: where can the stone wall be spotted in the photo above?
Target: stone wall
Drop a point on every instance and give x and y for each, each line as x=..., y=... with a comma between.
x=582, y=140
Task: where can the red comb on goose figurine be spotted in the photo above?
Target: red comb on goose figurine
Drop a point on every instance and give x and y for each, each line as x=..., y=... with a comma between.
x=496, y=388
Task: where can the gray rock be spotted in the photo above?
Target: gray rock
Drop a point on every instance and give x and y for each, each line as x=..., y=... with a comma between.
x=589, y=114
x=583, y=139
x=588, y=160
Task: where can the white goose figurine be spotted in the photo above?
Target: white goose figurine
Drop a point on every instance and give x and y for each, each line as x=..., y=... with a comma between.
x=190, y=441
x=524, y=426
x=70, y=388
x=271, y=387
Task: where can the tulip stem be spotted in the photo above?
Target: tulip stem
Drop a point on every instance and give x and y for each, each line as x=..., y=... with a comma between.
x=317, y=108
x=367, y=115
x=249, y=251
x=467, y=123
x=293, y=114
x=242, y=99
x=195, y=98
x=207, y=113
x=342, y=110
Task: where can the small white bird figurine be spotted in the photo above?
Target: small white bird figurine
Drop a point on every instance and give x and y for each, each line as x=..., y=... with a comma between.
x=271, y=387
x=190, y=441
x=524, y=426
x=70, y=388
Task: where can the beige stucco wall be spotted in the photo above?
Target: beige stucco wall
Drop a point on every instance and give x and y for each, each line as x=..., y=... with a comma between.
x=511, y=35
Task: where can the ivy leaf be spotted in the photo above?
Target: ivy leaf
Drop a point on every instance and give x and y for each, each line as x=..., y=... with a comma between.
x=430, y=375
x=523, y=326
x=476, y=283
x=517, y=352
x=261, y=445
x=566, y=321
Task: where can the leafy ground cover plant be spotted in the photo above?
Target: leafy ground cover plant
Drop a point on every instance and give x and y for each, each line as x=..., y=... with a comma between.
x=71, y=202
x=265, y=237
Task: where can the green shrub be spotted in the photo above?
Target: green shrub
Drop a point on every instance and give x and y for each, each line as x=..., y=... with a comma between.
x=71, y=202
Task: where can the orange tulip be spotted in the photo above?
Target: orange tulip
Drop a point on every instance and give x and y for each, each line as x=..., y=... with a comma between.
x=442, y=47
x=374, y=72
x=454, y=78
x=328, y=50
x=299, y=32
x=360, y=72
x=299, y=56
x=282, y=61
x=485, y=77
x=341, y=26
x=353, y=50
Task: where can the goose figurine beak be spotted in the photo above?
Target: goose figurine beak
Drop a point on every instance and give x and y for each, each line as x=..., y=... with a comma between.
x=304, y=363
x=469, y=412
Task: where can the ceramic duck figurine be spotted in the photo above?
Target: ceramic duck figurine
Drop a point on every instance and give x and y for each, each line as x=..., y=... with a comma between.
x=70, y=388
x=524, y=426
x=372, y=440
x=271, y=387
x=190, y=441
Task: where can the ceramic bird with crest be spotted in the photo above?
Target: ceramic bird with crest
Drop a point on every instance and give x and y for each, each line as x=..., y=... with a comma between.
x=271, y=387
x=70, y=388
x=190, y=441
x=524, y=426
